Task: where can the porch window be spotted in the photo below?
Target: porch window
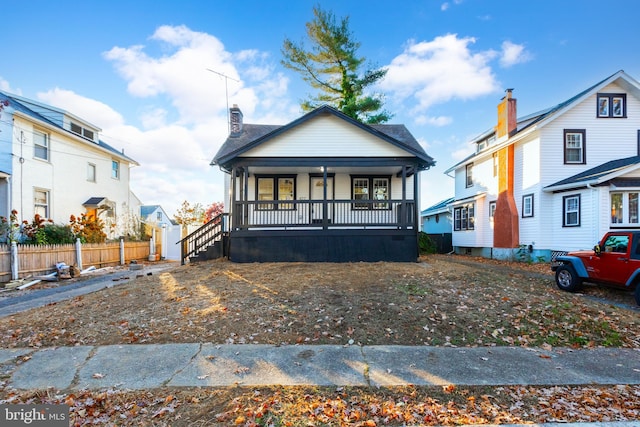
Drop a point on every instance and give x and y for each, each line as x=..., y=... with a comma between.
x=571, y=211
x=464, y=217
x=624, y=208
x=275, y=188
x=41, y=202
x=574, y=146
x=370, y=188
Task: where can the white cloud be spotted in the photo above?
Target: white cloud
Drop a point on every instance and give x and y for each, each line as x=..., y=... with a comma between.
x=513, y=54
x=441, y=70
x=184, y=121
x=434, y=121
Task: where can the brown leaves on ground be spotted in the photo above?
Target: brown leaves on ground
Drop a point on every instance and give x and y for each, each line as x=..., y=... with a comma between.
x=443, y=300
x=344, y=406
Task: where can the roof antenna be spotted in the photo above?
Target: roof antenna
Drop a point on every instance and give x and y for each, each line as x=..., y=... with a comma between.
x=226, y=91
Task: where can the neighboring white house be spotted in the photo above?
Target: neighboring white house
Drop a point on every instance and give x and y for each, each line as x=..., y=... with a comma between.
x=170, y=230
x=556, y=180
x=54, y=164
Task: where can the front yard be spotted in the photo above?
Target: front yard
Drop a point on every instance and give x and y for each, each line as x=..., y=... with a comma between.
x=440, y=301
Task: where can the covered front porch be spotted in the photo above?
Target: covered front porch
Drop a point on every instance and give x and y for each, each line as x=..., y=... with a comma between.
x=323, y=212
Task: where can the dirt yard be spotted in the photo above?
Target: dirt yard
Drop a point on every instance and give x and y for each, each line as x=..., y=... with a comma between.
x=440, y=301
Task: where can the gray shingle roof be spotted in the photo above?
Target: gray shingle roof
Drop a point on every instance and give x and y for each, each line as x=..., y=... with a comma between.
x=253, y=135
x=595, y=176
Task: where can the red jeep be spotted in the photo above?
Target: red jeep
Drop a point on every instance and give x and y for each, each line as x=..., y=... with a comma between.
x=614, y=262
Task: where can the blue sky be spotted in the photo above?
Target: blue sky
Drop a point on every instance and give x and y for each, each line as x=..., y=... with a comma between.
x=138, y=70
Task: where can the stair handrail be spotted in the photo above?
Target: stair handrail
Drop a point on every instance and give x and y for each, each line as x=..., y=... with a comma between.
x=202, y=237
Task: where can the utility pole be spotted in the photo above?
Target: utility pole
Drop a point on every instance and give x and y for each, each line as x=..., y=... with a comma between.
x=226, y=91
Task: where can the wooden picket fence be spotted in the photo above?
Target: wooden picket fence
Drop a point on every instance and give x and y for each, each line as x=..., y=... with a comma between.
x=34, y=260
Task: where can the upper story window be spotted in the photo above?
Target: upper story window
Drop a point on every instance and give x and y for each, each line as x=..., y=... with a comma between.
x=159, y=216
x=469, y=175
x=612, y=105
x=571, y=211
x=82, y=131
x=91, y=172
x=492, y=209
x=115, y=169
x=574, y=146
x=370, y=188
x=40, y=145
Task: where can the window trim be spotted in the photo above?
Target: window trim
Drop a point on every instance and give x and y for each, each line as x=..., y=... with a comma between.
x=47, y=203
x=608, y=111
x=565, y=199
x=583, y=159
x=625, y=208
x=278, y=205
x=380, y=206
x=526, y=214
x=115, y=171
x=464, y=217
x=468, y=175
x=45, y=147
x=92, y=166
x=492, y=208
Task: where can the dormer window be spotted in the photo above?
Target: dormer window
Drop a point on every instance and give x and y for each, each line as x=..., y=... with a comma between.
x=612, y=105
x=81, y=131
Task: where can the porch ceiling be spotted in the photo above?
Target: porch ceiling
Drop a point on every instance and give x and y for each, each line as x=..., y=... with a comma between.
x=386, y=170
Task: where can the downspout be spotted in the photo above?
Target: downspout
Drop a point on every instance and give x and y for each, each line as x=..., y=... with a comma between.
x=595, y=207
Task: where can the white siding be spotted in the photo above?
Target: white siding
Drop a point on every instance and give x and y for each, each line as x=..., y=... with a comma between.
x=65, y=176
x=527, y=182
x=606, y=139
x=326, y=136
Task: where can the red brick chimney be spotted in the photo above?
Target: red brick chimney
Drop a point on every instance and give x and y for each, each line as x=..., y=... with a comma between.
x=506, y=230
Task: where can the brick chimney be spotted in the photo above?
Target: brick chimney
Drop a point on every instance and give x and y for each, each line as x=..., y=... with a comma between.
x=507, y=116
x=506, y=226
x=235, y=119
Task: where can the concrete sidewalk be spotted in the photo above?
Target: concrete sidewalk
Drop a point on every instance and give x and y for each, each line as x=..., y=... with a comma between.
x=181, y=365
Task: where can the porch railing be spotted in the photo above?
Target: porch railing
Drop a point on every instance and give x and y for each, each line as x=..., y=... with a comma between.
x=203, y=237
x=318, y=214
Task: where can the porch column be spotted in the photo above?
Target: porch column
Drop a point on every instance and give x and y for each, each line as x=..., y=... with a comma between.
x=325, y=207
x=404, y=211
x=232, y=197
x=245, y=195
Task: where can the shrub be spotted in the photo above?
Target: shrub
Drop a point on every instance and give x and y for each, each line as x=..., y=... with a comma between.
x=426, y=244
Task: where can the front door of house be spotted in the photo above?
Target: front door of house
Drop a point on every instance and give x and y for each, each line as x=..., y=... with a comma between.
x=317, y=195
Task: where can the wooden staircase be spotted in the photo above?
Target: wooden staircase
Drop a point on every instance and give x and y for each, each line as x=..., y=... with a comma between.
x=210, y=241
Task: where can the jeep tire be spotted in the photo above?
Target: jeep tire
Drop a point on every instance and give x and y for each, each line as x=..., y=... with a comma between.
x=567, y=279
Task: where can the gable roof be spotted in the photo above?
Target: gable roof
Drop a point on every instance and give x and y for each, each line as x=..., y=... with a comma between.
x=254, y=135
x=543, y=117
x=598, y=175
x=21, y=105
x=146, y=210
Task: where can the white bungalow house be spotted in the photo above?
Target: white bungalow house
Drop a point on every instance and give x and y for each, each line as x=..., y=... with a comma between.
x=324, y=187
x=552, y=181
x=54, y=164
